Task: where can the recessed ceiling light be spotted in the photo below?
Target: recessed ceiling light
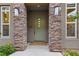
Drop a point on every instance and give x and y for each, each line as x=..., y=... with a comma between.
x=38, y=5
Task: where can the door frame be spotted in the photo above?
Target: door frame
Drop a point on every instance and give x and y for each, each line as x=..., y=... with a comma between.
x=47, y=24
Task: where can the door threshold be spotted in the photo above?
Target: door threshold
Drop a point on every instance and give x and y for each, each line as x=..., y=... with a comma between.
x=39, y=43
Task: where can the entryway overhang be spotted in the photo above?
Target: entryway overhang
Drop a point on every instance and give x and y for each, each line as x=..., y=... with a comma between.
x=20, y=28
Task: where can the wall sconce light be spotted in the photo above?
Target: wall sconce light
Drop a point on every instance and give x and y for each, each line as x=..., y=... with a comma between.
x=57, y=10
x=16, y=11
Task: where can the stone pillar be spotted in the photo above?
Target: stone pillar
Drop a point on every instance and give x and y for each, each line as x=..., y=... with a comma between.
x=20, y=27
x=54, y=29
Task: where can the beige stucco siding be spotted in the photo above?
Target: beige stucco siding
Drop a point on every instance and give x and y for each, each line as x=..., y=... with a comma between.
x=9, y=39
x=68, y=42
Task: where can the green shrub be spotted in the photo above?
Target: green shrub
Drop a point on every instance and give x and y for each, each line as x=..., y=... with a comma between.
x=6, y=50
x=2, y=54
x=71, y=53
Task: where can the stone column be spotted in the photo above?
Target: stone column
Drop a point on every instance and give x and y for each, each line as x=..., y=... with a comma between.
x=20, y=27
x=54, y=29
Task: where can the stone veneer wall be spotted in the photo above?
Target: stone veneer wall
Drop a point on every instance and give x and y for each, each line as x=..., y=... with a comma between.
x=19, y=27
x=54, y=29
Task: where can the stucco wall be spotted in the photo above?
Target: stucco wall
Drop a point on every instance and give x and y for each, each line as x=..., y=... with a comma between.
x=9, y=39
x=69, y=42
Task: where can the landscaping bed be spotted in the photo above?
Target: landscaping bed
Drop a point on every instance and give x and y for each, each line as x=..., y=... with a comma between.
x=70, y=52
x=7, y=50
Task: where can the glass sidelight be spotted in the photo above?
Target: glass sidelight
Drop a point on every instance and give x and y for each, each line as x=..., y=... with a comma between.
x=5, y=21
x=71, y=22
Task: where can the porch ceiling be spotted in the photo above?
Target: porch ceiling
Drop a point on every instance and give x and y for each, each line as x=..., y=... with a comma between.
x=37, y=6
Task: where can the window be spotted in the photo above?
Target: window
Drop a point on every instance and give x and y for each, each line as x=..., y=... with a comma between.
x=71, y=22
x=5, y=21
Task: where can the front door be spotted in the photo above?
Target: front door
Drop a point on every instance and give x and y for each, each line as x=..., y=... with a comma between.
x=40, y=29
x=37, y=22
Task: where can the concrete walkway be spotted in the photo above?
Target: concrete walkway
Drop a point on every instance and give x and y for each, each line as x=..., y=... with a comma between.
x=36, y=51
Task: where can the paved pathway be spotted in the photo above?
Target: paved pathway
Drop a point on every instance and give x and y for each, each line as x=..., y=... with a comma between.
x=36, y=51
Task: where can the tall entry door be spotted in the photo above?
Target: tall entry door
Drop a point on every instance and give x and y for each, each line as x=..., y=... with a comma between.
x=37, y=19
x=40, y=31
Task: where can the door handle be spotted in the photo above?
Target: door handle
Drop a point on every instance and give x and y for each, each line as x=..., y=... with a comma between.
x=34, y=32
